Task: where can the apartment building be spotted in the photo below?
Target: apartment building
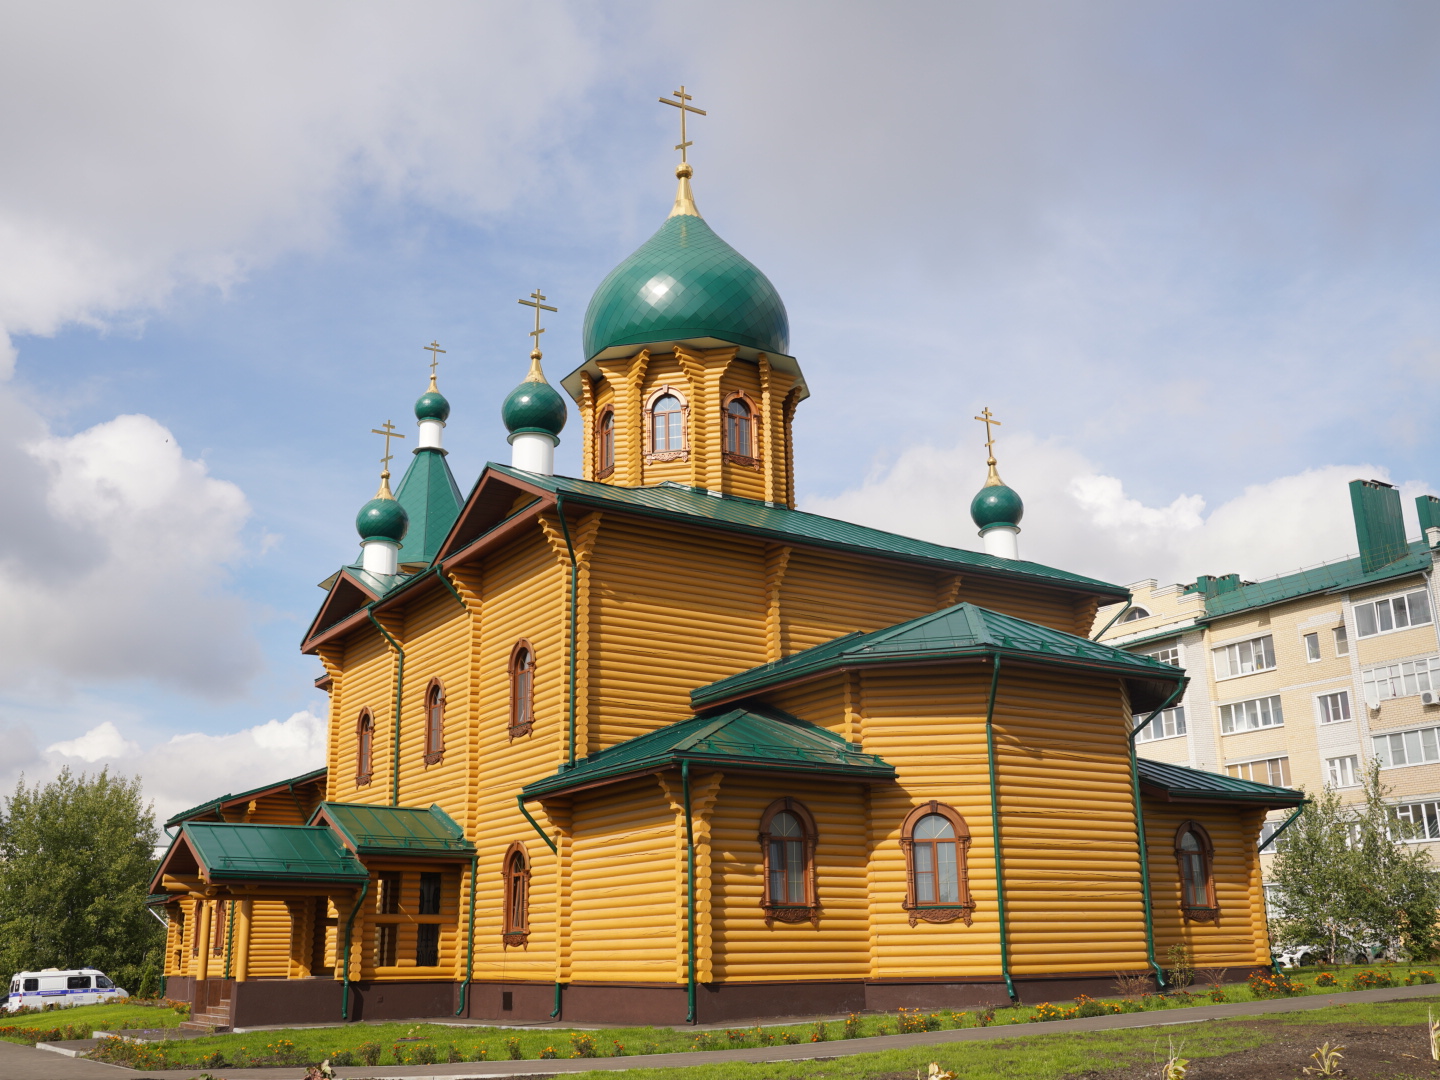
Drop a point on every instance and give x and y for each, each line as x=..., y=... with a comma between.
x=1303, y=679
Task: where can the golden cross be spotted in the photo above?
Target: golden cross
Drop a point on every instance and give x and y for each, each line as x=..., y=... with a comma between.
x=987, y=418
x=684, y=108
x=435, y=349
x=537, y=302
x=389, y=433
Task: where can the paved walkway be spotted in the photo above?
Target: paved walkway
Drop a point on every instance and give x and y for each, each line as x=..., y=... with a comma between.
x=22, y=1063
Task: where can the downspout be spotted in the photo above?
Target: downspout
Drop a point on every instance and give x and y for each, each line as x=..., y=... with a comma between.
x=574, y=613
x=399, y=697
x=520, y=802
x=995, y=832
x=1140, y=833
x=350, y=925
x=555, y=1012
x=470, y=946
x=689, y=894
x=1128, y=605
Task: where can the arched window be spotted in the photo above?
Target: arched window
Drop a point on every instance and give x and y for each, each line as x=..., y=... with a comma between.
x=434, y=722
x=517, y=895
x=667, y=424
x=365, y=744
x=605, y=444
x=522, y=689
x=787, y=844
x=1196, y=856
x=738, y=428
x=936, y=841
x=1135, y=613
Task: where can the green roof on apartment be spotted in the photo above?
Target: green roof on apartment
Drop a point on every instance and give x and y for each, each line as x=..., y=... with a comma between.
x=242, y=852
x=214, y=805
x=394, y=830
x=755, y=518
x=1332, y=577
x=751, y=740
x=958, y=633
x=1183, y=785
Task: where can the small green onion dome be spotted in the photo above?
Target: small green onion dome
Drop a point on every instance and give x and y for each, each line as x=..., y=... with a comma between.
x=382, y=519
x=534, y=407
x=432, y=406
x=996, y=504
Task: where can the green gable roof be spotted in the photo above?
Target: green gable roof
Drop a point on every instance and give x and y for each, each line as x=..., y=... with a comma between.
x=1182, y=784
x=238, y=852
x=214, y=805
x=1332, y=577
x=954, y=633
x=750, y=739
x=753, y=517
x=394, y=830
x=431, y=497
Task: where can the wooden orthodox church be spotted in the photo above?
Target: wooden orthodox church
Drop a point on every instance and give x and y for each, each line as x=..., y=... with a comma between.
x=650, y=744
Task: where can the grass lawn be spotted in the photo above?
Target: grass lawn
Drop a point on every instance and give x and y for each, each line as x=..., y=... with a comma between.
x=85, y=1018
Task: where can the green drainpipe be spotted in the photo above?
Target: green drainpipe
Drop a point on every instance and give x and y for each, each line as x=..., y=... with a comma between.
x=229, y=933
x=520, y=802
x=995, y=832
x=1128, y=605
x=574, y=614
x=689, y=894
x=350, y=925
x=554, y=1013
x=1140, y=832
x=399, y=697
x=470, y=945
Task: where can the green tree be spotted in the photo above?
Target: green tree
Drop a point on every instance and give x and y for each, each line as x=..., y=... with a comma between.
x=76, y=858
x=1345, y=876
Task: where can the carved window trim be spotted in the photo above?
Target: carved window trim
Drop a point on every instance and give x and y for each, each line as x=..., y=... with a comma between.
x=515, y=873
x=938, y=913
x=752, y=459
x=434, y=733
x=605, y=443
x=522, y=691
x=364, y=747
x=1210, y=911
x=779, y=909
x=652, y=454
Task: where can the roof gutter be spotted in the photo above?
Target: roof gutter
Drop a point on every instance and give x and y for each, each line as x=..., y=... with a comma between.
x=399, y=697
x=1140, y=834
x=470, y=938
x=995, y=832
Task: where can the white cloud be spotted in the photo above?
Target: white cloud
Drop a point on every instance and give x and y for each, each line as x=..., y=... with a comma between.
x=104, y=741
x=1077, y=518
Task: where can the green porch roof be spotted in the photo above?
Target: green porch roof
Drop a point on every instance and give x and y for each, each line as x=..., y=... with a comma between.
x=1346, y=574
x=756, y=518
x=750, y=740
x=214, y=805
x=957, y=632
x=1181, y=784
x=395, y=830
x=237, y=852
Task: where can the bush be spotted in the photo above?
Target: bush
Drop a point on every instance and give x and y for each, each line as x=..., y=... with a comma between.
x=789, y=1038
x=369, y=1053
x=1265, y=984
x=1370, y=979
x=1326, y=978
x=704, y=1040
x=583, y=1045
x=818, y=1032
x=851, y=1030
x=1217, y=995
x=1088, y=1006
x=1424, y=976
x=548, y=1054
x=913, y=1020
x=343, y=1057
x=512, y=1047
x=1045, y=1011
x=617, y=1048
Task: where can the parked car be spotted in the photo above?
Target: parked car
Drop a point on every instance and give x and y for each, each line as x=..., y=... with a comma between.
x=75, y=986
x=1297, y=955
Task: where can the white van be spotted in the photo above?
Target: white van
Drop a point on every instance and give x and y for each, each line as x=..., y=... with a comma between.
x=78, y=986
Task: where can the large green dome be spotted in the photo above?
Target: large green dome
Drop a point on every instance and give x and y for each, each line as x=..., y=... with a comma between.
x=684, y=283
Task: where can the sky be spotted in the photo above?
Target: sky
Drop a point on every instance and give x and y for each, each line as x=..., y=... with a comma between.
x=1188, y=254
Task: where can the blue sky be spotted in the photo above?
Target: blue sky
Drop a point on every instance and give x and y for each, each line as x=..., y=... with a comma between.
x=1188, y=255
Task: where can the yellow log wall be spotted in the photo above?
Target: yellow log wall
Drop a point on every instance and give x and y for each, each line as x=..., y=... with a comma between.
x=823, y=596
x=368, y=664
x=1054, y=608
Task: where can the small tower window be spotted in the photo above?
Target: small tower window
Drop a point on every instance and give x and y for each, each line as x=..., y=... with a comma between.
x=605, y=445
x=936, y=841
x=365, y=742
x=517, y=895
x=522, y=690
x=667, y=424
x=434, y=723
x=787, y=842
x=738, y=428
x=1195, y=854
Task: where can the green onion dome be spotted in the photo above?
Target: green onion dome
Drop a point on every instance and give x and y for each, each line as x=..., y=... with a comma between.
x=534, y=406
x=997, y=504
x=684, y=283
x=382, y=518
x=432, y=405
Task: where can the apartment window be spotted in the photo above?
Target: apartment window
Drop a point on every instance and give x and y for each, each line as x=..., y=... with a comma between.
x=1342, y=771
x=1167, y=725
x=1169, y=655
x=1421, y=821
x=1274, y=771
x=1334, y=707
x=1403, y=679
x=1312, y=647
x=1407, y=748
x=1249, y=715
x=1342, y=641
x=1392, y=613
x=1135, y=614
x=1245, y=657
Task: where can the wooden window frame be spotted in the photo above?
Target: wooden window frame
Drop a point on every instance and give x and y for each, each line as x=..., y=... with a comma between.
x=517, y=727
x=780, y=910
x=434, y=740
x=604, y=463
x=364, y=748
x=1211, y=912
x=938, y=913
x=515, y=933
x=651, y=454
x=751, y=460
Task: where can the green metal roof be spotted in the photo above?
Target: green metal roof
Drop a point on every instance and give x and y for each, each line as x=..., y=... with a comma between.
x=1159, y=635
x=395, y=830
x=685, y=283
x=238, y=852
x=750, y=739
x=755, y=518
x=431, y=497
x=1333, y=577
x=953, y=633
x=1181, y=784
x=215, y=804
